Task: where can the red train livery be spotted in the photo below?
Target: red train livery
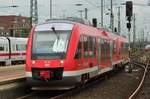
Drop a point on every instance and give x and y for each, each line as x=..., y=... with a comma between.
x=63, y=54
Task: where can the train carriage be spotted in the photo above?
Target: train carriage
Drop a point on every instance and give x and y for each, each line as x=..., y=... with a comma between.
x=62, y=54
x=12, y=50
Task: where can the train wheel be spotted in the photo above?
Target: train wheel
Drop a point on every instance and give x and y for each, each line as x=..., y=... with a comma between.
x=84, y=78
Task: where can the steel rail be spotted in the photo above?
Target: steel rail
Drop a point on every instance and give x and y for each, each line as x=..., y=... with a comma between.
x=142, y=81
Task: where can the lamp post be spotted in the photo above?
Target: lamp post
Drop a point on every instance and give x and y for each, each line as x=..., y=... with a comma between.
x=50, y=9
x=86, y=13
x=119, y=21
x=102, y=13
x=81, y=13
x=111, y=16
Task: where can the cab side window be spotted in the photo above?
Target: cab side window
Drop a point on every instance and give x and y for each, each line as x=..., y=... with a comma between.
x=78, y=54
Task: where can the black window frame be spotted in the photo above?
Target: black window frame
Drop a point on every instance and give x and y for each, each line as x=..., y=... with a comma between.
x=78, y=54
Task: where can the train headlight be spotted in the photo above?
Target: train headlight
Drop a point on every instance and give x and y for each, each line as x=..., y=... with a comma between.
x=61, y=63
x=33, y=62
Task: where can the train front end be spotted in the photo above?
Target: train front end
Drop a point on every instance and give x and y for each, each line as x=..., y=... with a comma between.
x=46, y=56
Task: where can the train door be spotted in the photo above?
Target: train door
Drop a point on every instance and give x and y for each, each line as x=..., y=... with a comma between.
x=111, y=52
x=108, y=52
x=99, y=53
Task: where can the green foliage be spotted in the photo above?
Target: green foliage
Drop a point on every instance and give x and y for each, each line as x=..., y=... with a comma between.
x=136, y=51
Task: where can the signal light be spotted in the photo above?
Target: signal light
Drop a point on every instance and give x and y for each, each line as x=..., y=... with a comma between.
x=129, y=8
x=94, y=21
x=129, y=26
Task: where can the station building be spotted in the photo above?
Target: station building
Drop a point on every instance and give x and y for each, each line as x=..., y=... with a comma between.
x=14, y=26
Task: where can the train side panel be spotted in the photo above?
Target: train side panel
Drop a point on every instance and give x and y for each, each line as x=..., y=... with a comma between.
x=18, y=49
x=4, y=50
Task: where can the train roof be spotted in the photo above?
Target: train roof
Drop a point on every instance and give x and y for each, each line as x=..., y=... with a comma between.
x=4, y=39
x=17, y=38
x=58, y=21
x=58, y=24
x=68, y=25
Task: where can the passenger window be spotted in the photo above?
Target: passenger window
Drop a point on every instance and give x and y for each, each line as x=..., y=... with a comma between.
x=85, y=46
x=102, y=49
x=108, y=49
x=17, y=48
x=114, y=47
x=6, y=48
x=105, y=49
x=79, y=49
x=13, y=47
x=91, y=47
x=94, y=46
x=1, y=47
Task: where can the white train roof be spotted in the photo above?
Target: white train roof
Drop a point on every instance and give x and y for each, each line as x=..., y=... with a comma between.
x=57, y=25
x=4, y=40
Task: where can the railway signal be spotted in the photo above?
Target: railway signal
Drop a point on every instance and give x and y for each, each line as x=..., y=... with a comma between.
x=94, y=21
x=129, y=11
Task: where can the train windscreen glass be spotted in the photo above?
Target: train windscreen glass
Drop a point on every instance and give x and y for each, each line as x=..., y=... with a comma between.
x=50, y=44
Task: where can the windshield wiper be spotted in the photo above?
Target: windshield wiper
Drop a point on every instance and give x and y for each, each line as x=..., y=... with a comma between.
x=53, y=28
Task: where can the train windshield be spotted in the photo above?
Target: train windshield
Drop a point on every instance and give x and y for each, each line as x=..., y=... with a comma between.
x=50, y=44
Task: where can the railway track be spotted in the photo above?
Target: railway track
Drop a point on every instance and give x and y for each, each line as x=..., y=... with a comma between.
x=64, y=94
x=144, y=81
x=61, y=95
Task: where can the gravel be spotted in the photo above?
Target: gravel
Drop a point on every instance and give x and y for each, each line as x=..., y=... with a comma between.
x=119, y=86
x=145, y=90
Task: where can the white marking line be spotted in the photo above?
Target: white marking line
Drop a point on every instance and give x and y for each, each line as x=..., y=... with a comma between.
x=72, y=73
x=79, y=72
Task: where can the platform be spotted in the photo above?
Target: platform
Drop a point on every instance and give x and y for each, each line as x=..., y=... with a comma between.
x=10, y=73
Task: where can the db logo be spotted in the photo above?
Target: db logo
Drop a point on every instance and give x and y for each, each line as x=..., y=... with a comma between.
x=47, y=64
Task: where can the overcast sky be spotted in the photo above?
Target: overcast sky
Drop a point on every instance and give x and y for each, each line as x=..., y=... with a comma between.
x=67, y=8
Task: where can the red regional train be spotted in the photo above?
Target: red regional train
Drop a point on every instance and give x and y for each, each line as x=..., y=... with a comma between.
x=63, y=54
